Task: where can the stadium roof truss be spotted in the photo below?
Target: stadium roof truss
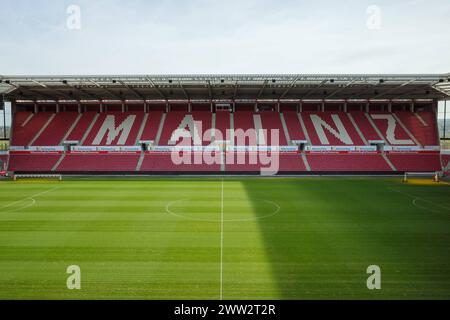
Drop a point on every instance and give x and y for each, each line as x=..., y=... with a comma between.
x=273, y=87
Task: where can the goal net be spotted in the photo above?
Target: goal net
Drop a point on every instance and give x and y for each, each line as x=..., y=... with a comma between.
x=38, y=176
x=422, y=175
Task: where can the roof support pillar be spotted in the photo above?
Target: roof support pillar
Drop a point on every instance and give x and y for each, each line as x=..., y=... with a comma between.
x=322, y=106
x=123, y=106
x=278, y=106
x=35, y=107
x=300, y=106
x=2, y=100
x=79, y=107
x=101, y=106
x=390, y=106
x=345, y=106
x=57, y=106
x=411, y=107
x=445, y=119
x=367, y=107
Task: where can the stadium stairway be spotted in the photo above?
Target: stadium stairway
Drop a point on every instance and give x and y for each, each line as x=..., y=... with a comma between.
x=305, y=162
x=71, y=128
x=285, y=129
x=415, y=162
x=139, y=164
x=141, y=129
x=160, y=129
x=420, y=125
x=358, y=130
x=391, y=165
x=153, y=122
x=42, y=129
x=294, y=129
x=59, y=162
x=89, y=128
x=347, y=162
x=400, y=122
x=397, y=135
x=37, y=162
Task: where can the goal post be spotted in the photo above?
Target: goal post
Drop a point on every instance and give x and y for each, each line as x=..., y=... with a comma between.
x=431, y=175
x=38, y=176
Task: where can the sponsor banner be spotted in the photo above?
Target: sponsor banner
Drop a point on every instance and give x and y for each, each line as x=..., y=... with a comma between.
x=37, y=148
x=376, y=141
x=432, y=148
x=267, y=148
x=318, y=148
x=108, y=148
x=259, y=148
x=343, y=148
x=195, y=148
x=3, y=152
x=237, y=148
x=366, y=148
x=162, y=148
x=211, y=148
x=84, y=148
x=288, y=149
x=48, y=148
x=406, y=148
x=130, y=148
x=16, y=148
x=387, y=148
x=71, y=142
x=185, y=148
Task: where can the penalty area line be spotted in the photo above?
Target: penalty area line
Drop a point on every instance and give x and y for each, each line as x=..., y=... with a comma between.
x=29, y=198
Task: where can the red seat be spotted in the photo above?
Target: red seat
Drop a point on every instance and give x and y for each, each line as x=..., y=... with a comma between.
x=35, y=162
x=350, y=162
x=107, y=162
x=415, y=161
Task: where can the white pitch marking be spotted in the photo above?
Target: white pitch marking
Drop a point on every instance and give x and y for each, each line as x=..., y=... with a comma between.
x=415, y=199
x=221, y=246
x=27, y=198
x=169, y=204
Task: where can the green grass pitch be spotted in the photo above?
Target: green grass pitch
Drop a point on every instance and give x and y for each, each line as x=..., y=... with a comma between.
x=236, y=238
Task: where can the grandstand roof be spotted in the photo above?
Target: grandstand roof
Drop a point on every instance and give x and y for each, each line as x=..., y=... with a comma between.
x=226, y=86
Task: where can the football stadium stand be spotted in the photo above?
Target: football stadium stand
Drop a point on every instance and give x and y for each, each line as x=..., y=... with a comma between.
x=224, y=136
x=355, y=162
x=106, y=162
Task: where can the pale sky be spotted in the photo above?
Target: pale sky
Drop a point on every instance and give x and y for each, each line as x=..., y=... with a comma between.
x=227, y=36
